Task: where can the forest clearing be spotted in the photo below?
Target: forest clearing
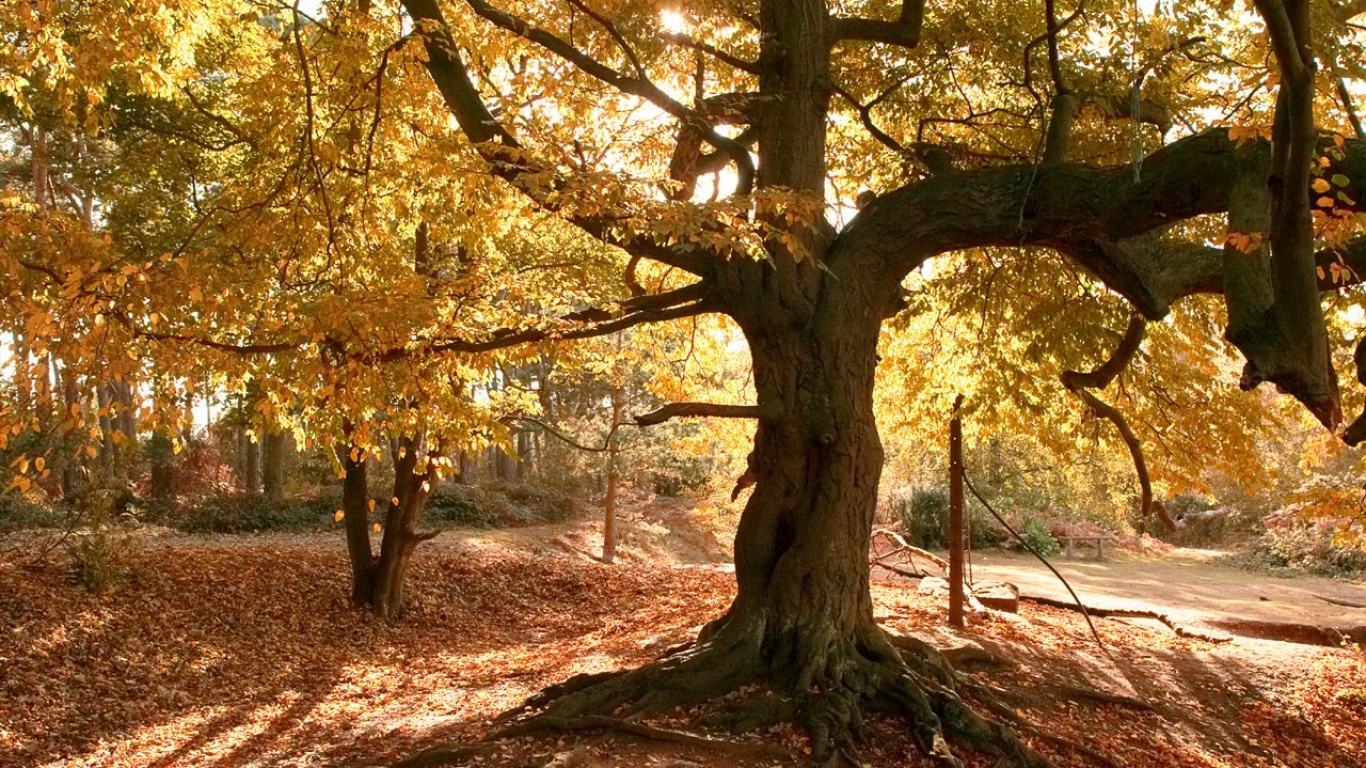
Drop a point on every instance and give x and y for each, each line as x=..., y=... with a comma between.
x=239, y=650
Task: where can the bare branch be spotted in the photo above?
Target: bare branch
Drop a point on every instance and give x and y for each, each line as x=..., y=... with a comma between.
x=635, y=86
x=684, y=410
x=678, y=38
x=612, y=30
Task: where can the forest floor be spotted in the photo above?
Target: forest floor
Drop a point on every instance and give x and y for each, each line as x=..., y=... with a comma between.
x=232, y=651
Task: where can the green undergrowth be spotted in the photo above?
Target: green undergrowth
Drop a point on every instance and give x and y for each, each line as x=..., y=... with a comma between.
x=1297, y=550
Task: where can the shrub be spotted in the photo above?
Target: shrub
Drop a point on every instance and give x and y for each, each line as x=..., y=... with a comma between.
x=463, y=506
x=1040, y=539
x=101, y=560
x=247, y=513
x=1304, y=548
x=18, y=511
x=501, y=505
x=924, y=517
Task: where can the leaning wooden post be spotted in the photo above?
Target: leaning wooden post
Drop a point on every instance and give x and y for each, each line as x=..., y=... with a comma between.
x=956, y=516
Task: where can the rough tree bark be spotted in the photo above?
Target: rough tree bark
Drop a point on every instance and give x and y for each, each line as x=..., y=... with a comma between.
x=274, y=449
x=377, y=580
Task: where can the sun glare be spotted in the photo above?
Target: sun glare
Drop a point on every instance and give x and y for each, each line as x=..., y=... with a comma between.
x=673, y=22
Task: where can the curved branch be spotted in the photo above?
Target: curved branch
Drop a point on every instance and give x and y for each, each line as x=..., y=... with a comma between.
x=714, y=410
x=866, y=117
x=1079, y=383
x=1101, y=377
x=635, y=86
x=502, y=151
x=1093, y=215
x=567, y=440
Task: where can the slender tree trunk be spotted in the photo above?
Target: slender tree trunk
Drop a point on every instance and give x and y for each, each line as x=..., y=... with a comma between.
x=70, y=469
x=609, y=525
x=159, y=454
x=23, y=371
x=251, y=475
x=956, y=597
x=108, y=449
x=274, y=450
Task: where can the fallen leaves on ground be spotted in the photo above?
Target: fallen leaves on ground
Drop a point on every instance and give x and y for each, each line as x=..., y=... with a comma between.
x=243, y=651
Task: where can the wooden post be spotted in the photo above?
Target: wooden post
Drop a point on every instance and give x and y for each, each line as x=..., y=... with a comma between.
x=956, y=517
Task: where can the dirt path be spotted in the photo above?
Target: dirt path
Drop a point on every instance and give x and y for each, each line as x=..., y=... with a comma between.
x=1192, y=589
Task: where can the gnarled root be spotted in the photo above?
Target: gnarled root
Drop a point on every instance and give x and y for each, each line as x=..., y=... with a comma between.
x=828, y=696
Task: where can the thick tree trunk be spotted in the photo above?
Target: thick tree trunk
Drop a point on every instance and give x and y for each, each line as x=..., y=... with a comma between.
x=377, y=582
x=800, y=549
x=355, y=520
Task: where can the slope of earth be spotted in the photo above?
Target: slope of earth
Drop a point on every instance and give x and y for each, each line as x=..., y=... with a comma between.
x=242, y=651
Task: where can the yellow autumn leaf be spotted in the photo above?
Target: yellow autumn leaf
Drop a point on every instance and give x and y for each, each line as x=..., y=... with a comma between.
x=338, y=516
x=377, y=528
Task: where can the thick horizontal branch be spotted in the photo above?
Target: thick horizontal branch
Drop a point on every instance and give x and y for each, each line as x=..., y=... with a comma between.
x=681, y=410
x=1097, y=216
x=905, y=31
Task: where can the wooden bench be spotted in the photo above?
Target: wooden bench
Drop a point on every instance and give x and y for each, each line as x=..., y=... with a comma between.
x=1070, y=544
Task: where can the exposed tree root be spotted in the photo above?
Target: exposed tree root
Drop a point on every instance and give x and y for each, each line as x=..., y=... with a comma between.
x=445, y=755
x=827, y=695
x=1129, y=613
x=591, y=722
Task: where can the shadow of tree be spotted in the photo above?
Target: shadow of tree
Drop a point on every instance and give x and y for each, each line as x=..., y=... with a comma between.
x=245, y=651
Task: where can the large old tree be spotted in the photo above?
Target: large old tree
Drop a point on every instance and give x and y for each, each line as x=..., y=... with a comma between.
x=1010, y=155
x=720, y=145
x=813, y=302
